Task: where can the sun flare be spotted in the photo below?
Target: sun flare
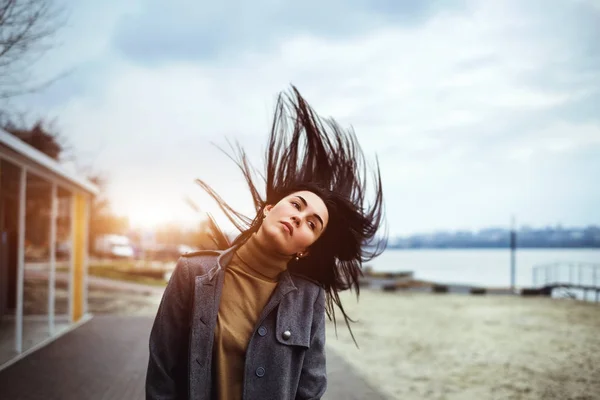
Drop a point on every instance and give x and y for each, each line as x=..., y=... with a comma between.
x=149, y=217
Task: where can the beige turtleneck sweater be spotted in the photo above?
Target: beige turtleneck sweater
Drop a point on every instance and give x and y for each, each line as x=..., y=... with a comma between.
x=249, y=281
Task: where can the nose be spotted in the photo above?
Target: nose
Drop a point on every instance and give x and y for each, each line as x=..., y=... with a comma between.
x=296, y=220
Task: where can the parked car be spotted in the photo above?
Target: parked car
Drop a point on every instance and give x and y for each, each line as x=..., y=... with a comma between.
x=169, y=252
x=113, y=246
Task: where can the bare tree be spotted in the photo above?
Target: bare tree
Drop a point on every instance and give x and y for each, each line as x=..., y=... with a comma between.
x=26, y=31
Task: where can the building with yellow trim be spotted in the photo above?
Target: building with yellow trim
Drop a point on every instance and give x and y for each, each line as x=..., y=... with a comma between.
x=44, y=218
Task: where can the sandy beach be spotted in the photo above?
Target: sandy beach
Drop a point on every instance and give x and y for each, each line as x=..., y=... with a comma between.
x=445, y=346
x=424, y=346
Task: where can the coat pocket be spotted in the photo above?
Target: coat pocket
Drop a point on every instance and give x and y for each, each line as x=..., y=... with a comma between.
x=293, y=325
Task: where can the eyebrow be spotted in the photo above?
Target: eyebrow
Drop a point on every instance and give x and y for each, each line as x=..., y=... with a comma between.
x=315, y=215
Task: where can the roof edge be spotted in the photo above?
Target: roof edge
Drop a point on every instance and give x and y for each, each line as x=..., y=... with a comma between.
x=46, y=162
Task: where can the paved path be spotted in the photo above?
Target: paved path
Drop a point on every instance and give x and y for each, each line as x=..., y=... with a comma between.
x=106, y=358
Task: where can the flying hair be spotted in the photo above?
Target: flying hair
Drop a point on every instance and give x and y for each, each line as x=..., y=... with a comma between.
x=306, y=152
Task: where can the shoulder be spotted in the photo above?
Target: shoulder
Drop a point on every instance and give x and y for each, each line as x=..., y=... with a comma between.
x=304, y=282
x=308, y=287
x=202, y=253
x=199, y=262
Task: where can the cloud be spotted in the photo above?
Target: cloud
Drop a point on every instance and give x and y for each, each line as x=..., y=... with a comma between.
x=206, y=30
x=475, y=113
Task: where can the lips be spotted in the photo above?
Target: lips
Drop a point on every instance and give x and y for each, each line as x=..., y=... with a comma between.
x=289, y=227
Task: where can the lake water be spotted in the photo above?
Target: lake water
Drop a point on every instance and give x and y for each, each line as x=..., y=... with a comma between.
x=485, y=267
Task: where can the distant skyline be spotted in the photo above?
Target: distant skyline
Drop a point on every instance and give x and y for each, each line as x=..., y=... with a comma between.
x=507, y=227
x=477, y=110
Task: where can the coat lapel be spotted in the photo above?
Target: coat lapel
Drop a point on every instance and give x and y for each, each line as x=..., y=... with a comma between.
x=285, y=286
x=207, y=294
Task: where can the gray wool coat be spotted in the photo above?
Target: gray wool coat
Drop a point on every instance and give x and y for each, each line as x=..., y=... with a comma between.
x=285, y=358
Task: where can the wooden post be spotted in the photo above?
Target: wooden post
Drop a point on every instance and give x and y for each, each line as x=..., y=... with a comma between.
x=78, y=258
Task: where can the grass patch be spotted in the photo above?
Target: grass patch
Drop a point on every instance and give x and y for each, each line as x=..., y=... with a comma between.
x=124, y=275
x=125, y=271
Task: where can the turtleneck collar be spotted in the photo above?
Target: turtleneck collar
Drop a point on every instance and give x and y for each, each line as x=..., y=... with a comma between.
x=260, y=259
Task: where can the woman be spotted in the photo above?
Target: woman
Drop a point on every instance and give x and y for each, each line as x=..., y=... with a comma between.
x=247, y=320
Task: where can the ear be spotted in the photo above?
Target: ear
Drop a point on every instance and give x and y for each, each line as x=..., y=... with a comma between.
x=267, y=208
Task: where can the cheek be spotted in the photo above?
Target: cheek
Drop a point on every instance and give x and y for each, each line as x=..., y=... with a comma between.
x=278, y=212
x=272, y=222
x=273, y=216
x=305, y=238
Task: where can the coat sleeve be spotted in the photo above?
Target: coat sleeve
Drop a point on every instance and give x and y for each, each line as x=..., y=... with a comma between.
x=313, y=378
x=167, y=373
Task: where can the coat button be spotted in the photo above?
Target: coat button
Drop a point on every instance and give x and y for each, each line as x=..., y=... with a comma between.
x=286, y=335
x=262, y=331
x=260, y=372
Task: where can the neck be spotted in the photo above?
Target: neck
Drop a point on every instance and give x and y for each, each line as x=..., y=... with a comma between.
x=261, y=258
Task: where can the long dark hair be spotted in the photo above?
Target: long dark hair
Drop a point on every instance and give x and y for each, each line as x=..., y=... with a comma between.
x=306, y=152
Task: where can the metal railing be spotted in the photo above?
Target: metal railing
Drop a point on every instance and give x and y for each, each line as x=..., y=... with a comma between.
x=573, y=276
x=581, y=274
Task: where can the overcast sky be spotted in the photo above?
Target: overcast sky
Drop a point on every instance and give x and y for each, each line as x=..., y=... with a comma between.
x=476, y=109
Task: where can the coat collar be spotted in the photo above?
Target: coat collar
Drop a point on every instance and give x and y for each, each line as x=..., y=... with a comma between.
x=226, y=256
x=223, y=259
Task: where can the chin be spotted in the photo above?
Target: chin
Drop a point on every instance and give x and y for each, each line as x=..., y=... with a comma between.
x=277, y=239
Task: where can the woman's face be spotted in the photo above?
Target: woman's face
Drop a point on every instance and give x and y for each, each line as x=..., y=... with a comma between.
x=294, y=223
